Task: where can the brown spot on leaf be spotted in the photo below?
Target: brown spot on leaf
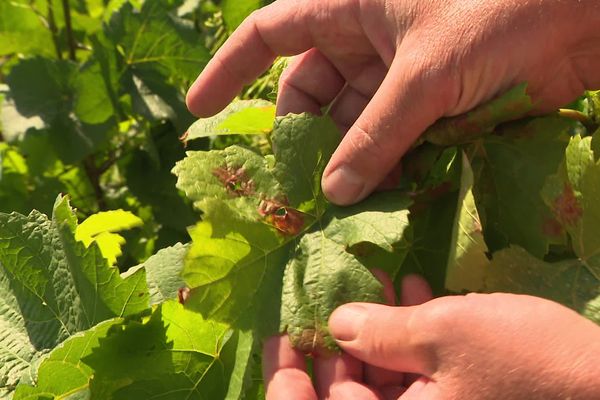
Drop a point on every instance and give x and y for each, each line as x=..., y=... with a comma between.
x=552, y=228
x=183, y=294
x=282, y=217
x=235, y=181
x=312, y=342
x=567, y=208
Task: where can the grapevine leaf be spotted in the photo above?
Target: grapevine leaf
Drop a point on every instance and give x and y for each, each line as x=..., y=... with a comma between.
x=573, y=195
x=593, y=105
x=154, y=39
x=467, y=260
x=568, y=282
x=235, y=11
x=92, y=102
x=163, y=273
x=432, y=216
x=54, y=287
x=321, y=262
x=234, y=174
x=62, y=373
x=169, y=208
x=231, y=263
x=23, y=31
x=51, y=90
x=179, y=352
x=240, y=354
x=275, y=215
x=515, y=167
x=161, y=53
x=184, y=356
x=242, y=117
x=302, y=157
x=164, y=282
x=42, y=87
x=512, y=105
x=100, y=228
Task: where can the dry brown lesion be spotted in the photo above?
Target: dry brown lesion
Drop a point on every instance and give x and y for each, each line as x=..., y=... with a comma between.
x=236, y=181
x=567, y=208
x=312, y=343
x=183, y=293
x=281, y=216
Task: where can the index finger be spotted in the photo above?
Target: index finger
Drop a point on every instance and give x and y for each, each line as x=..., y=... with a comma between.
x=280, y=28
x=284, y=371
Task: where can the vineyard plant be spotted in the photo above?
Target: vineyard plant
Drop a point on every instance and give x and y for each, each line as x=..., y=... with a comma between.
x=145, y=254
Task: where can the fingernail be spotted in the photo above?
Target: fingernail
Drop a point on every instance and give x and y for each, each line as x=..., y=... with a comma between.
x=346, y=322
x=343, y=185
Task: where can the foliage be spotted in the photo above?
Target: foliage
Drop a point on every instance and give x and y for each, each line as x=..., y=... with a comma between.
x=91, y=105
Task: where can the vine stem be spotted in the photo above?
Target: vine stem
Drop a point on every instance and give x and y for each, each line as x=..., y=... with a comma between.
x=53, y=29
x=69, y=27
x=92, y=171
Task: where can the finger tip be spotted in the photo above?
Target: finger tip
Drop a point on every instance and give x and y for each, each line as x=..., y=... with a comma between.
x=343, y=186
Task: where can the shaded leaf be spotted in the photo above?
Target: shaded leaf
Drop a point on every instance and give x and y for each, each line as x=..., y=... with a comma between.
x=467, y=261
x=54, y=287
x=573, y=195
x=567, y=282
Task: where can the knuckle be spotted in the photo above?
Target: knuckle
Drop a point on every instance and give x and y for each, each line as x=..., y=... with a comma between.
x=434, y=319
x=364, y=143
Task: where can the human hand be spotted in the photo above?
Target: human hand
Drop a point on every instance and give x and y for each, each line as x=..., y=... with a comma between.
x=479, y=346
x=393, y=67
x=340, y=376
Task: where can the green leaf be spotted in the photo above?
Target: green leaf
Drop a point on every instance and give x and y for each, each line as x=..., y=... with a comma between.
x=573, y=195
x=512, y=105
x=243, y=117
x=432, y=216
x=62, y=374
x=100, y=228
x=168, y=206
x=53, y=287
x=234, y=174
x=515, y=168
x=568, y=282
x=235, y=11
x=321, y=263
x=52, y=90
x=92, y=102
x=173, y=355
x=258, y=217
x=23, y=31
x=154, y=39
x=467, y=261
x=302, y=157
x=163, y=273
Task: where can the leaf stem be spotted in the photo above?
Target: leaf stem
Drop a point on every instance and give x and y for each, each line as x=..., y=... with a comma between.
x=578, y=116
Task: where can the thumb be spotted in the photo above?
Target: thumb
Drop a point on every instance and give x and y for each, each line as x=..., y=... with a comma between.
x=410, y=99
x=394, y=338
